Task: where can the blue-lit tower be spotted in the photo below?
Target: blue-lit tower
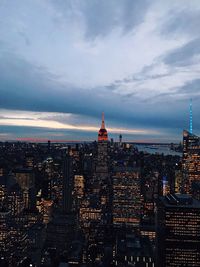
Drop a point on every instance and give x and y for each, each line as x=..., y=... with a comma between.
x=191, y=116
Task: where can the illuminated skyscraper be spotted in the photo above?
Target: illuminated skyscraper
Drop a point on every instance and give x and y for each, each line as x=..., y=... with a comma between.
x=67, y=183
x=165, y=186
x=26, y=180
x=78, y=191
x=178, y=232
x=191, y=157
x=60, y=229
x=127, y=199
x=178, y=181
x=102, y=153
x=103, y=135
x=101, y=175
x=191, y=126
x=191, y=160
x=5, y=233
x=95, y=214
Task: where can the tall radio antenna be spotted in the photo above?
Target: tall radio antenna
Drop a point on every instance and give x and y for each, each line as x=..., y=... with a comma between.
x=191, y=116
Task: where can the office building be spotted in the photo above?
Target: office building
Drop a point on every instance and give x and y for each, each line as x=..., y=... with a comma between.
x=67, y=183
x=191, y=160
x=26, y=180
x=178, y=231
x=127, y=198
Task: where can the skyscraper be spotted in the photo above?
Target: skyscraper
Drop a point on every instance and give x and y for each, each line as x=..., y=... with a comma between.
x=191, y=157
x=101, y=175
x=120, y=139
x=191, y=160
x=61, y=228
x=67, y=183
x=95, y=214
x=165, y=186
x=103, y=135
x=191, y=122
x=178, y=232
x=127, y=199
x=102, y=153
x=26, y=180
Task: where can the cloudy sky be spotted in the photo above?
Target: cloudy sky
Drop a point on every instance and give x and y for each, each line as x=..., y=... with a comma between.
x=63, y=62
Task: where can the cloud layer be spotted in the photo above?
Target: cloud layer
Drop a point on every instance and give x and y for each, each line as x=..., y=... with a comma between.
x=138, y=61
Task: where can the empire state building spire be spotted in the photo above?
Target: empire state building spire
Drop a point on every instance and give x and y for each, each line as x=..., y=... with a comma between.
x=102, y=122
x=103, y=135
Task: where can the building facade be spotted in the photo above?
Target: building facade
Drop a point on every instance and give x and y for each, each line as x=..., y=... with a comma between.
x=178, y=231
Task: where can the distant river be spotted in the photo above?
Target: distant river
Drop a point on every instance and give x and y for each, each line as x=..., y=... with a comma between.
x=158, y=149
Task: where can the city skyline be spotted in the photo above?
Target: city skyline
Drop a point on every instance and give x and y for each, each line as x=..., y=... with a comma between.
x=63, y=63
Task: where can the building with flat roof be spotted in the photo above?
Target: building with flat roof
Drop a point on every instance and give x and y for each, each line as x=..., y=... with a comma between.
x=178, y=231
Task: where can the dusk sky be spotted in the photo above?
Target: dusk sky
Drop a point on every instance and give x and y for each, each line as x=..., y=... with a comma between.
x=63, y=63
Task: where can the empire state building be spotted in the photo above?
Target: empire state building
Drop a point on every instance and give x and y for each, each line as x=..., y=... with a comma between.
x=103, y=135
x=102, y=156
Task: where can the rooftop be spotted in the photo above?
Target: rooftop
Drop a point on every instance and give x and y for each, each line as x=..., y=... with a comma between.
x=180, y=200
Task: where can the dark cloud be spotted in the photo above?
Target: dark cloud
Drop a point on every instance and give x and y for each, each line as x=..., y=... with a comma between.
x=24, y=86
x=102, y=17
x=183, y=20
x=183, y=56
x=191, y=89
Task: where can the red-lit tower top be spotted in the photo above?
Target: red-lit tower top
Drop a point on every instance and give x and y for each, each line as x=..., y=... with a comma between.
x=103, y=135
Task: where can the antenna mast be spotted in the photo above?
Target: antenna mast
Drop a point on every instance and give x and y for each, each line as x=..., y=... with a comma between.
x=191, y=116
